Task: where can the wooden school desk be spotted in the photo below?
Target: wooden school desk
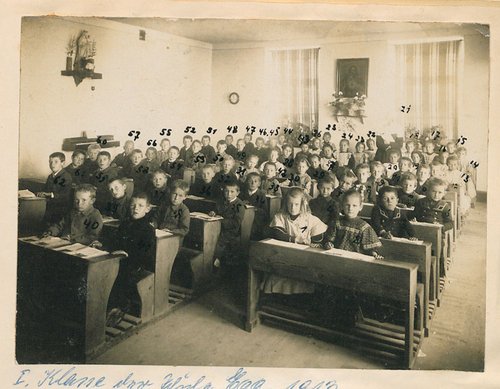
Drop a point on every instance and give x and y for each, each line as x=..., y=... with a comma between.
x=418, y=253
x=273, y=204
x=66, y=291
x=389, y=280
x=30, y=216
x=167, y=246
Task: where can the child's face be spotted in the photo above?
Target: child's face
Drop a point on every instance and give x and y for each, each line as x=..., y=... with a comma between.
x=405, y=166
x=78, y=160
x=117, y=189
x=229, y=139
x=177, y=196
x=423, y=174
x=93, y=154
x=251, y=163
x=150, y=155
x=274, y=155
x=389, y=200
x=281, y=139
x=410, y=146
x=287, y=151
x=302, y=168
x=452, y=147
x=136, y=158
x=315, y=162
x=293, y=205
x=55, y=164
x=304, y=147
x=409, y=186
x=196, y=147
x=363, y=175
x=416, y=157
x=221, y=148
x=393, y=158
x=207, y=175
x=139, y=208
x=436, y=170
x=344, y=147
x=253, y=183
x=347, y=183
x=247, y=138
x=453, y=165
x=240, y=144
x=437, y=192
x=273, y=142
x=187, y=142
x=325, y=189
x=327, y=137
x=165, y=144
x=173, y=154
x=83, y=201
x=270, y=171
x=205, y=141
x=378, y=171
x=231, y=192
x=370, y=143
x=429, y=148
x=227, y=165
x=159, y=180
x=360, y=147
x=327, y=152
x=316, y=143
x=103, y=162
x=259, y=143
x=351, y=206
x=128, y=147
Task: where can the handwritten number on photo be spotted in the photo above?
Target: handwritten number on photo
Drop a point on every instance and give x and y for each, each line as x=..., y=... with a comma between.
x=93, y=226
x=166, y=132
x=134, y=134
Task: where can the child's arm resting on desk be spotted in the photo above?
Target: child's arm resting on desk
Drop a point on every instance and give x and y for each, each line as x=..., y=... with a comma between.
x=279, y=233
x=183, y=223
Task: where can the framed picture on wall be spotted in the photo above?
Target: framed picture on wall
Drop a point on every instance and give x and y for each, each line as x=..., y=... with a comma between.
x=352, y=76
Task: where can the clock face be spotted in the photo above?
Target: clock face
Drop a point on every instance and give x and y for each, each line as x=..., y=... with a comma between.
x=234, y=98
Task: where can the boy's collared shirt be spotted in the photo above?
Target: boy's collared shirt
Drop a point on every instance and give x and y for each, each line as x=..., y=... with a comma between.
x=232, y=213
x=119, y=208
x=175, y=218
x=83, y=227
x=430, y=211
x=391, y=221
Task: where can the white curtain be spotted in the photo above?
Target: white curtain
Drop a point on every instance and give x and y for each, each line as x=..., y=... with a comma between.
x=295, y=79
x=428, y=81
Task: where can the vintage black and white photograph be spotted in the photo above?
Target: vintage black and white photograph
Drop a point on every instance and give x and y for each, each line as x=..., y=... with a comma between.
x=252, y=192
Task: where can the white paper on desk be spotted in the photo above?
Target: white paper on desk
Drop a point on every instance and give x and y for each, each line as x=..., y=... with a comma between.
x=192, y=197
x=71, y=248
x=281, y=243
x=52, y=242
x=349, y=254
x=162, y=233
x=89, y=252
x=404, y=240
x=108, y=219
x=204, y=216
x=25, y=194
x=426, y=224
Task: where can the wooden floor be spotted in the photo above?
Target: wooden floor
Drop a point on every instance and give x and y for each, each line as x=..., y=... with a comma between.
x=209, y=331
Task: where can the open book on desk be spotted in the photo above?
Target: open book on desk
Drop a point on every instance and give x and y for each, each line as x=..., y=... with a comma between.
x=26, y=194
x=281, y=243
x=404, y=240
x=50, y=242
x=204, y=216
x=83, y=251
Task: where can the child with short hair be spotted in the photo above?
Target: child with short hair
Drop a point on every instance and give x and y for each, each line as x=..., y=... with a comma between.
x=151, y=160
x=315, y=146
x=197, y=159
x=457, y=182
x=376, y=181
x=273, y=157
x=119, y=205
x=83, y=224
x=429, y=153
x=417, y=157
x=410, y=147
x=304, y=181
x=387, y=220
x=423, y=174
x=371, y=149
x=359, y=156
x=325, y=207
x=101, y=178
x=346, y=182
x=327, y=140
x=57, y=189
x=361, y=185
x=438, y=170
x=405, y=166
x=270, y=184
x=207, y=150
x=407, y=195
x=253, y=195
x=157, y=189
x=249, y=146
x=204, y=185
x=138, y=171
x=173, y=215
x=122, y=160
x=163, y=152
x=304, y=151
x=225, y=174
x=344, y=155
x=174, y=165
x=288, y=225
x=231, y=149
x=328, y=162
x=241, y=154
x=315, y=171
x=286, y=157
x=231, y=208
x=221, y=152
x=260, y=150
x=432, y=208
x=136, y=240
x=250, y=166
x=90, y=164
x=392, y=166
x=185, y=152
x=75, y=168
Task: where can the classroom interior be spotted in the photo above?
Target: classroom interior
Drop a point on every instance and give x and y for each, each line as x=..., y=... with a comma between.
x=159, y=73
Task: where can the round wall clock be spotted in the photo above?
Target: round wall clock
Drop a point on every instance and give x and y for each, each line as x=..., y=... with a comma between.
x=234, y=98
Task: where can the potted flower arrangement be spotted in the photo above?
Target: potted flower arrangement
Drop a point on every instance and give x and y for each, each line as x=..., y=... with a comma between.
x=348, y=106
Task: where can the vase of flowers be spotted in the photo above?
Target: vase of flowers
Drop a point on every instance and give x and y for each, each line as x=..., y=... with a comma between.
x=348, y=106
